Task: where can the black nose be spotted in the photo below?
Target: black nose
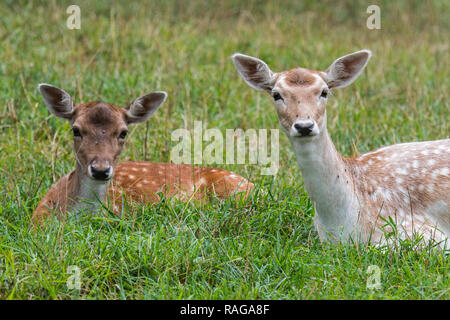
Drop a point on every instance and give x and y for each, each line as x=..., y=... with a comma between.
x=100, y=173
x=304, y=128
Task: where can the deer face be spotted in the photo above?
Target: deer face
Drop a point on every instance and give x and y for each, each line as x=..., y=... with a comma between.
x=300, y=95
x=99, y=132
x=99, y=129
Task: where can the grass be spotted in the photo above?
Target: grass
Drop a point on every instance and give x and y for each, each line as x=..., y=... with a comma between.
x=265, y=248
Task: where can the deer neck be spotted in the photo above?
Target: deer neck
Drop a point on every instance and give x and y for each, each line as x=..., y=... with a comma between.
x=86, y=193
x=328, y=183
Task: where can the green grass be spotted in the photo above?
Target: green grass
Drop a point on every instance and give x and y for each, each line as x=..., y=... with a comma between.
x=265, y=248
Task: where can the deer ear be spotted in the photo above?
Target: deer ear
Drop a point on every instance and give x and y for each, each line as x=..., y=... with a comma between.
x=347, y=68
x=254, y=71
x=57, y=101
x=143, y=107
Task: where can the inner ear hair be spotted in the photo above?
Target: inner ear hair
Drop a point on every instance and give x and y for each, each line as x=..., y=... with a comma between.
x=57, y=101
x=143, y=107
x=255, y=72
x=346, y=69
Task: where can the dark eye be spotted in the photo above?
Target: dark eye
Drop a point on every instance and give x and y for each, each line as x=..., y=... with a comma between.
x=76, y=132
x=324, y=94
x=277, y=96
x=123, y=134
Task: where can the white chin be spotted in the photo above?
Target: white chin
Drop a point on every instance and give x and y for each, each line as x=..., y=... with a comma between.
x=308, y=137
x=313, y=134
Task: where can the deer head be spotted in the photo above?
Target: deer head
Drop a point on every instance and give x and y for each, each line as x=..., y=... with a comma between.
x=300, y=95
x=99, y=129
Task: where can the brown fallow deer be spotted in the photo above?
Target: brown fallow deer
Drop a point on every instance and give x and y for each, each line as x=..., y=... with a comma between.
x=355, y=198
x=99, y=133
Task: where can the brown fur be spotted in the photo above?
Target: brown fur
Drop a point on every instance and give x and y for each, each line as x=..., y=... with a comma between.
x=299, y=77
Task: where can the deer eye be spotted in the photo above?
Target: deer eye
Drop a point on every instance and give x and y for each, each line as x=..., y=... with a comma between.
x=324, y=93
x=123, y=134
x=277, y=96
x=76, y=132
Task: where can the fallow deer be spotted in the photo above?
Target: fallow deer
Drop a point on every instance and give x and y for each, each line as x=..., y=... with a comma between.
x=354, y=198
x=99, y=132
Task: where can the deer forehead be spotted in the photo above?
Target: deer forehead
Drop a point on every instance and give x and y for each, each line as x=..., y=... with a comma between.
x=301, y=77
x=99, y=114
x=300, y=82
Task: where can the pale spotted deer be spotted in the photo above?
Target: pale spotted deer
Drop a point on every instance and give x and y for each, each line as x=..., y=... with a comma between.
x=355, y=197
x=99, y=132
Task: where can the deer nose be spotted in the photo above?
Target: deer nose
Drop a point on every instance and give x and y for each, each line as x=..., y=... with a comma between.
x=304, y=127
x=100, y=173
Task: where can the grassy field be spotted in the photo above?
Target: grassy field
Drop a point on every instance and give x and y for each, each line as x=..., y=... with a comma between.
x=265, y=248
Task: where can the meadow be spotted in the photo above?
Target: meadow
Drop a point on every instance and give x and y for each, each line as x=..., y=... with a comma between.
x=262, y=248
